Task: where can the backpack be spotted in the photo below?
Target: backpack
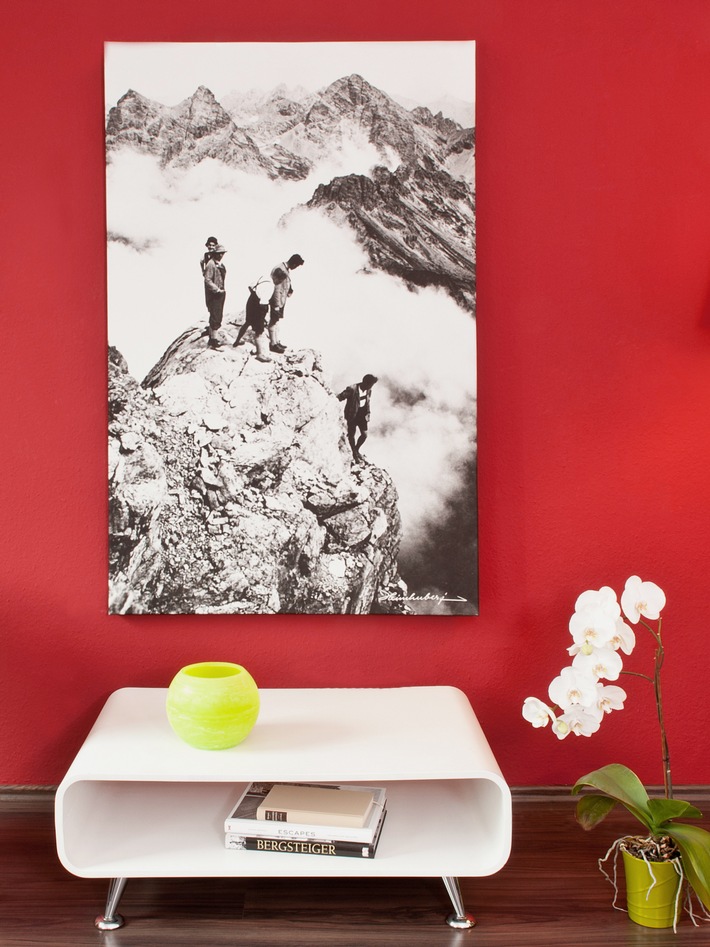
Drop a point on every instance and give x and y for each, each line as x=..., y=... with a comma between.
x=256, y=310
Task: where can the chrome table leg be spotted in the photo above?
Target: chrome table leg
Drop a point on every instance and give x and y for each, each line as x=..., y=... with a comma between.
x=459, y=920
x=109, y=920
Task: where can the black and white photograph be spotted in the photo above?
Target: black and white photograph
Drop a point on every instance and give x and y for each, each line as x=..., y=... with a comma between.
x=291, y=328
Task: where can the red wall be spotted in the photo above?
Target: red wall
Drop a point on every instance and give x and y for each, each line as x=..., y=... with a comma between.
x=594, y=380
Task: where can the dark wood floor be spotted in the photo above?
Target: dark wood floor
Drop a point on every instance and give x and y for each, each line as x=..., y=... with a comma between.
x=550, y=894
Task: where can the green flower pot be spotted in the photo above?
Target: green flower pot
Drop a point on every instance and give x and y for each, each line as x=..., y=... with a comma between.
x=651, y=904
x=214, y=705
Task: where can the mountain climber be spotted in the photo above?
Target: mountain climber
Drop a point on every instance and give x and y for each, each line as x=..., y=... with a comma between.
x=215, y=274
x=255, y=318
x=281, y=278
x=210, y=243
x=357, y=412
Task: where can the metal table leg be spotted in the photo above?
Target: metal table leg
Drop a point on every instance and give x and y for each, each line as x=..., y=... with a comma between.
x=459, y=920
x=109, y=920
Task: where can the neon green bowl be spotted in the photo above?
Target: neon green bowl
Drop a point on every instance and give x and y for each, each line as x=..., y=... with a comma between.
x=213, y=705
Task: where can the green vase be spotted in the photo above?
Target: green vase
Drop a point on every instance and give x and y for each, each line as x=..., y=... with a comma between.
x=651, y=904
x=214, y=705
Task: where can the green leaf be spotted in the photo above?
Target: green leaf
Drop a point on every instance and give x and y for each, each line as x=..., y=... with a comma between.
x=623, y=785
x=665, y=809
x=592, y=809
x=694, y=845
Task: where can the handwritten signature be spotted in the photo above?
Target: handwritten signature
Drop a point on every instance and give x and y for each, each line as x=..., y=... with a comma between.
x=391, y=596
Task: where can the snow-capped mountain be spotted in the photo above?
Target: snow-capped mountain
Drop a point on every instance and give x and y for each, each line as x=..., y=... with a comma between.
x=187, y=133
x=413, y=211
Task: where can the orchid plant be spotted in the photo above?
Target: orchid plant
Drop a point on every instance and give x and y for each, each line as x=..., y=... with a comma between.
x=581, y=697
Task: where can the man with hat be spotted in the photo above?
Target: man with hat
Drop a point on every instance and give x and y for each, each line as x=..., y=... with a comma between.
x=210, y=243
x=281, y=278
x=357, y=412
x=215, y=274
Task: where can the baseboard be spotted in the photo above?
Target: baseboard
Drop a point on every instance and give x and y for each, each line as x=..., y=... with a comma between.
x=27, y=798
x=39, y=798
x=694, y=793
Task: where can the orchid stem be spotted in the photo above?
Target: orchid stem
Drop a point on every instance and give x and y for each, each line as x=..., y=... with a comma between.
x=660, y=655
x=656, y=681
x=656, y=634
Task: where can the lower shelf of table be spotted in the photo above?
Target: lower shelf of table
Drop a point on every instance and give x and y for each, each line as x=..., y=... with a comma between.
x=176, y=829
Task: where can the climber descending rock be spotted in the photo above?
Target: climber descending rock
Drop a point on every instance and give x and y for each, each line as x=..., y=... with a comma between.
x=357, y=412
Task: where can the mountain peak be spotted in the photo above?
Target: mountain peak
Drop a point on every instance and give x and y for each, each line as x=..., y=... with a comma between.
x=355, y=79
x=132, y=96
x=202, y=92
x=201, y=101
x=355, y=88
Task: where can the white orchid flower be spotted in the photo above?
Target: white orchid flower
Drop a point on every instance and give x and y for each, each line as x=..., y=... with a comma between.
x=578, y=720
x=599, y=633
x=573, y=686
x=536, y=712
x=610, y=697
x=624, y=637
x=602, y=662
x=604, y=598
x=593, y=626
x=642, y=598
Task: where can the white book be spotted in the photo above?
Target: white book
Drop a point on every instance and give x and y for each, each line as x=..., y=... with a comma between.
x=243, y=820
x=322, y=805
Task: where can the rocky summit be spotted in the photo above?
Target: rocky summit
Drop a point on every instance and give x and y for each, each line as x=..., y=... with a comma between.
x=232, y=490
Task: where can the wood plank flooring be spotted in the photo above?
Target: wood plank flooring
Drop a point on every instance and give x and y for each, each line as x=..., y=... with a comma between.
x=550, y=894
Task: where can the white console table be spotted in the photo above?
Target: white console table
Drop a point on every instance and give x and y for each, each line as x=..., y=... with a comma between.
x=138, y=802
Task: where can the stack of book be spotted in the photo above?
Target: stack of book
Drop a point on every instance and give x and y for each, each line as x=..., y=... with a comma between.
x=307, y=818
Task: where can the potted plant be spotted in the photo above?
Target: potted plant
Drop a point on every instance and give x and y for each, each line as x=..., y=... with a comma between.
x=669, y=855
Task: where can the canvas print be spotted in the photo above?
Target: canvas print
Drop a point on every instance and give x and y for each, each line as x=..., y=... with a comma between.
x=291, y=328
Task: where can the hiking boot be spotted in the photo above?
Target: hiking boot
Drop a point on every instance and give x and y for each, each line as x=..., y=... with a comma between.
x=214, y=344
x=263, y=358
x=240, y=342
x=277, y=347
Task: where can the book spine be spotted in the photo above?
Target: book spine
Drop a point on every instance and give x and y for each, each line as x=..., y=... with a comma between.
x=276, y=815
x=303, y=816
x=299, y=847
